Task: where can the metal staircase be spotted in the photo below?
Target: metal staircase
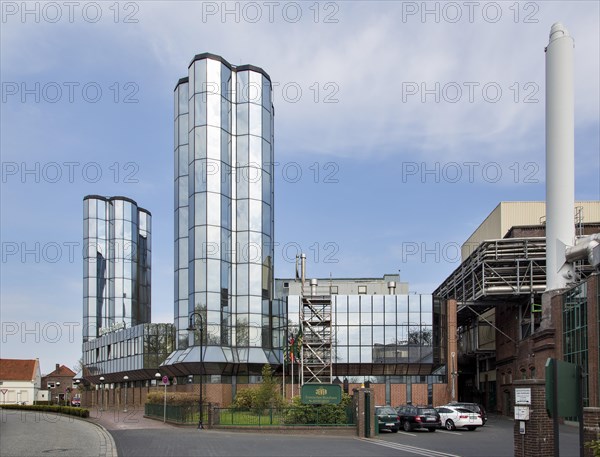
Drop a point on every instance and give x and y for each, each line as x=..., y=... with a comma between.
x=315, y=320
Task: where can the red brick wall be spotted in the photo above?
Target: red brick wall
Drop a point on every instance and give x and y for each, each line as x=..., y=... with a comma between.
x=538, y=439
x=593, y=341
x=398, y=396
x=591, y=427
x=440, y=394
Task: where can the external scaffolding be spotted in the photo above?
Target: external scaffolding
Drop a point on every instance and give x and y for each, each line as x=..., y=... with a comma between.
x=316, y=350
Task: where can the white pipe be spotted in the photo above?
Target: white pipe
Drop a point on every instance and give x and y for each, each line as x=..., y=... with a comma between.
x=560, y=157
x=585, y=247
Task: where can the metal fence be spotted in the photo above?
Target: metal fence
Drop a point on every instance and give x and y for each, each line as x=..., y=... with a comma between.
x=288, y=416
x=181, y=414
x=304, y=415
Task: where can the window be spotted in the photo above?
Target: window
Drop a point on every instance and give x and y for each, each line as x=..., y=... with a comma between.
x=362, y=290
x=286, y=285
x=334, y=290
x=575, y=331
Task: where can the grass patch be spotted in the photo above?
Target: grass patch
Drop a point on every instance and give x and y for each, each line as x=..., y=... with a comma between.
x=234, y=417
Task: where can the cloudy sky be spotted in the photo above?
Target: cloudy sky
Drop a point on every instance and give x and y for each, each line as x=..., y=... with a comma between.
x=399, y=126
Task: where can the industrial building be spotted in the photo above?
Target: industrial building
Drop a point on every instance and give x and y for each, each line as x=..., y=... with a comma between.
x=502, y=333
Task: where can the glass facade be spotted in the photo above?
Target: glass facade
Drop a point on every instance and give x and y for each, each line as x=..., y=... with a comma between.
x=224, y=209
x=575, y=331
x=142, y=347
x=116, y=265
x=384, y=334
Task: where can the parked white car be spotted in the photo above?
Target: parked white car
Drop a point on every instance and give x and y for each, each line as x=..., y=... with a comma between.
x=453, y=417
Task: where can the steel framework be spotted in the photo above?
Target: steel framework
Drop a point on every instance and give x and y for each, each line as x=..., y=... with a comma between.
x=497, y=269
x=316, y=354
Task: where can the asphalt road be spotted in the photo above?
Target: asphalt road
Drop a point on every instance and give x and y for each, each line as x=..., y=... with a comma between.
x=211, y=443
x=495, y=439
x=32, y=433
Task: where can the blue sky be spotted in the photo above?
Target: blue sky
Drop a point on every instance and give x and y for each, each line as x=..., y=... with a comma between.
x=398, y=124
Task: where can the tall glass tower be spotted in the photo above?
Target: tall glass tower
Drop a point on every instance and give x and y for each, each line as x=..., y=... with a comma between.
x=224, y=215
x=116, y=265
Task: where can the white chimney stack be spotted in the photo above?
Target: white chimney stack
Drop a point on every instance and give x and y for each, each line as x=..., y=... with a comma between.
x=560, y=157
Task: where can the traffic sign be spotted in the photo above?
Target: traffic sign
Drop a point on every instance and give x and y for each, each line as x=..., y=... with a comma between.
x=165, y=380
x=3, y=391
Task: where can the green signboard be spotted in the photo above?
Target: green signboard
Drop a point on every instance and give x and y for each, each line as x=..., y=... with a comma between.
x=321, y=394
x=564, y=379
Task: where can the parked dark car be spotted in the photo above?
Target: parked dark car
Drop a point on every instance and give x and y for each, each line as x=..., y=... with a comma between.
x=413, y=417
x=475, y=407
x=387, y=418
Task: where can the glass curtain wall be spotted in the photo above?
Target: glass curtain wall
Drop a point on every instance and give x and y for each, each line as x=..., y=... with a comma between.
x=378, y=337
x=117, y=268
x=575, y=332
x=224, y=205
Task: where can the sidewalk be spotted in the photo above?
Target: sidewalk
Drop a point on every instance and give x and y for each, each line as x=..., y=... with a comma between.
x=133, y=419
x=35, y=433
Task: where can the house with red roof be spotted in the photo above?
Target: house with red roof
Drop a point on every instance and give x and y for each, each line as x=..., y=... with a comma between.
x=59, y=383
x=20, y=381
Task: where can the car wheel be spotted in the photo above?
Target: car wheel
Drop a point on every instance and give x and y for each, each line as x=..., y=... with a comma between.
x=450, y=425
x=406, y=426
x=471, y=428
x=431, y=429
x=395, y=429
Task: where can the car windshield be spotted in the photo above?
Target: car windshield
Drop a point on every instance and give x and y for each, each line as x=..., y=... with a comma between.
x=386, y=410
x=471, y=406
x=427, y=411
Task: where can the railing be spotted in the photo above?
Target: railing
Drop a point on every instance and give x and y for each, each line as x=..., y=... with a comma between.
x=180, y=414
x=304, y=415
x=289, y=416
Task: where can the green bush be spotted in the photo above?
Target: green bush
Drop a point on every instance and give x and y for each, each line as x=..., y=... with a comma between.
x=245, y=399
x=594, y=445
x=173, y=398
x=262, y=397
x=298, y=413
x=69, y=410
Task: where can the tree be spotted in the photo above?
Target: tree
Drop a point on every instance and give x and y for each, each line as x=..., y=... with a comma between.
x=265, y=396
x=268, y=391
x=420, y=336
x=78, y=366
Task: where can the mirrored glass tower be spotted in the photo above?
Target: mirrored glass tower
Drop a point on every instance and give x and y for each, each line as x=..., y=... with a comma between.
x=224, y=215
x=116, y=265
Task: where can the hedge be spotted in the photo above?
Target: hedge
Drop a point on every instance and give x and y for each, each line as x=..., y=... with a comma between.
x=69, y=410
x=173, y=398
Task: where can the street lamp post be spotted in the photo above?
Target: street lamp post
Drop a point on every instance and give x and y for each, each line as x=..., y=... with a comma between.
x=58, y=392
x=126, y=379
x=190, y=328
x=101, y=393
x=78, y=394
x=158, y=376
